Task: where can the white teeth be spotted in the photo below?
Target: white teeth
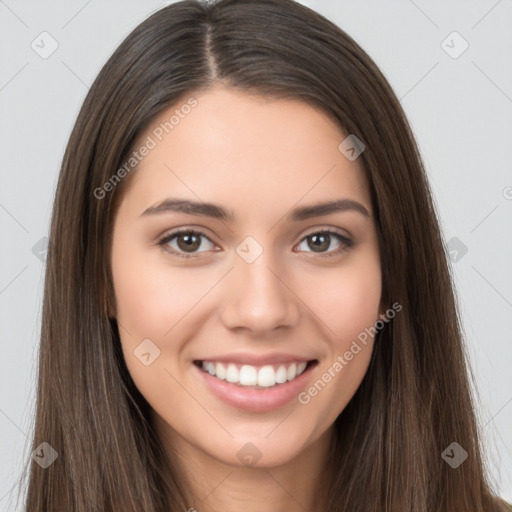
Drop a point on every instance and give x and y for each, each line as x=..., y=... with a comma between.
x=249, y=375
x=292, y=371
x=220, y=371
x=281, y=375
x=232, y=373
x=266, y=377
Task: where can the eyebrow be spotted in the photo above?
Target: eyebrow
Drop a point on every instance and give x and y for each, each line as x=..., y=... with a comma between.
x=218, y=212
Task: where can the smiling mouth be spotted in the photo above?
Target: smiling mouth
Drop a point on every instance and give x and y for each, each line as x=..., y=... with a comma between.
x=255, y=377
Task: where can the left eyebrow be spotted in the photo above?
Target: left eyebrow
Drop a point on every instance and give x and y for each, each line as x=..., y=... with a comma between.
x=319, y=209
x=218, y=212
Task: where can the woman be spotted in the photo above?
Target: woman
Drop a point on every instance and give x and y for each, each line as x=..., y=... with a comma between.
x=247, y=302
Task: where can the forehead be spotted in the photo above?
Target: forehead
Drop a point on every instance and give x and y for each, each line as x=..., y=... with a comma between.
x=250, y=153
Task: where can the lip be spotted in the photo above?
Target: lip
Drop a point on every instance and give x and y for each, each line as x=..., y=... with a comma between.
x=257, y=359
x=256, y=400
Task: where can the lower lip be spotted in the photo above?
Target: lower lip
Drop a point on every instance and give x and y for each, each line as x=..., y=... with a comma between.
x=256, y=400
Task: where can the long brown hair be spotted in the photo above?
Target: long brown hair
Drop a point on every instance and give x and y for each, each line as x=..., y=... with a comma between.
x=415, y=399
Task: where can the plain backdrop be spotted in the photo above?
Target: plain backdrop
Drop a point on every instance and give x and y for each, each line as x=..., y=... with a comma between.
x=449, y=63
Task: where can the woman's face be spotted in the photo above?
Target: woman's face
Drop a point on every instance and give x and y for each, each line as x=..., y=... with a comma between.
x=253, y=289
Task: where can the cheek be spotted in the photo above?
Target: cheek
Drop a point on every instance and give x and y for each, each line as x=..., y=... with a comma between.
x=151, y=297
x=349, y=308
x=347, y=300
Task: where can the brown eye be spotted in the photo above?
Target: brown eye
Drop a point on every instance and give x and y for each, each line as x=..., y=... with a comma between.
x=321, y=241
x=185, y=243
x=188, y=241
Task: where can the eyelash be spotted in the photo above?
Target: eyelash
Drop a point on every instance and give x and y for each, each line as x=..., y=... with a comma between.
x=163, y=241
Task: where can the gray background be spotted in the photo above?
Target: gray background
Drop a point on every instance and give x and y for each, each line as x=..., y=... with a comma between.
x=459, y=107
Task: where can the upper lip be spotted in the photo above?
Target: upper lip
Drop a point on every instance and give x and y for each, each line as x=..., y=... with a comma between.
x=257, y=359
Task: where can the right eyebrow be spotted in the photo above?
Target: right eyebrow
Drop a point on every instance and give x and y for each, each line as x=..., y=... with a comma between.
x=189, y=207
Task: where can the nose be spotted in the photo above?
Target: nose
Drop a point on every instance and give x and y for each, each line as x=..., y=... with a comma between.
x=258, y=298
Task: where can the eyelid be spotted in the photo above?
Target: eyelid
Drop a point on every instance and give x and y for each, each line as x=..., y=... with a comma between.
x=164, y=239
x=345, y=241
x=187, y=229
x=329, y=229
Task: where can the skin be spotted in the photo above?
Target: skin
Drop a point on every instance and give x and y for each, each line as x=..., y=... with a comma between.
x=259, y=159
